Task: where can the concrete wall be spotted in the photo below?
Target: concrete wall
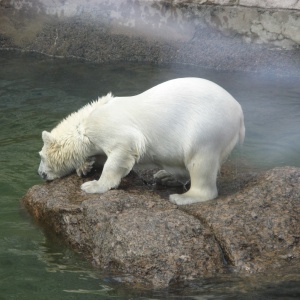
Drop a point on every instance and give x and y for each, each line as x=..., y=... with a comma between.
x=200, y=32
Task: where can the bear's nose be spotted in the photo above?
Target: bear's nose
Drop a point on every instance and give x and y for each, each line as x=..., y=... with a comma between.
x=43, y=175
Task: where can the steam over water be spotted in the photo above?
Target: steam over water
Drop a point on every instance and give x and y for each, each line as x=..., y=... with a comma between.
x=36, y=93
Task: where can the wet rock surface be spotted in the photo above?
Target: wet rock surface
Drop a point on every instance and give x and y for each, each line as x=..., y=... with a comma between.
x=253, y=226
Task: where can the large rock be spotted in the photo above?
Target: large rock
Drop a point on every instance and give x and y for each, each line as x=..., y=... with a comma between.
x=134, y=230
x=131, y=230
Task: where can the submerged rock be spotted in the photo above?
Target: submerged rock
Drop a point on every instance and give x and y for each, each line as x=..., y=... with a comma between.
x=134, y=230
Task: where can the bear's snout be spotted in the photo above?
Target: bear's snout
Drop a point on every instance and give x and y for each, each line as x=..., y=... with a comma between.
x=43, y=175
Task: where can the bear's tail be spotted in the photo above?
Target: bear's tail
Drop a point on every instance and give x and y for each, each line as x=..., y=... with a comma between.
x=242, y=131
x=238, y=138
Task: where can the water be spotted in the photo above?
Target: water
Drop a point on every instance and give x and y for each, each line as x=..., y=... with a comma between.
x=36, y=92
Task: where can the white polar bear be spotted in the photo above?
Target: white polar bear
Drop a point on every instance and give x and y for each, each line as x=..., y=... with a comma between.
x=186, y=126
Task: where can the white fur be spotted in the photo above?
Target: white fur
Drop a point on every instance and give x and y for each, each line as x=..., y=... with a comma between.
x=186, y=126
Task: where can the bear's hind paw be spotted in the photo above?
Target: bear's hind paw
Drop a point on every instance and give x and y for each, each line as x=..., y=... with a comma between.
x=162, y=177
x=186, y=198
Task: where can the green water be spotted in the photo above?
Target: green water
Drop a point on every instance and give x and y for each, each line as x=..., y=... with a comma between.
x=35, y=93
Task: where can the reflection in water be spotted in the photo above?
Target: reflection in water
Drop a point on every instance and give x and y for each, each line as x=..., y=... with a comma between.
x=35, y=94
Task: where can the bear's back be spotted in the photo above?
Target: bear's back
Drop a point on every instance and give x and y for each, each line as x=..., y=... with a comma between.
x=181, y=111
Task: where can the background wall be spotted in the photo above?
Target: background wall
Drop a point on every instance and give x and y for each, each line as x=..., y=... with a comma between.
x=223, y=34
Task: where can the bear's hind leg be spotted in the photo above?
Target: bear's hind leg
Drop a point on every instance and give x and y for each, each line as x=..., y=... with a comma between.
x=203, y=173
x=117, y=166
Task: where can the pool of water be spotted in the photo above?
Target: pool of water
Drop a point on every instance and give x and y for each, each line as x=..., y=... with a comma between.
x=37, y=92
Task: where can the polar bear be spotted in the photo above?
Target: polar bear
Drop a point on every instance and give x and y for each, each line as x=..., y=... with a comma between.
x=185, y=126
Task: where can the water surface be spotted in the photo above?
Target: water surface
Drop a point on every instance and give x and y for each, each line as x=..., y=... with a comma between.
x=37, y=92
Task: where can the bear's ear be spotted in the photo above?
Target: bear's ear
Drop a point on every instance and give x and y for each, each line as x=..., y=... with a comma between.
x=46, y=136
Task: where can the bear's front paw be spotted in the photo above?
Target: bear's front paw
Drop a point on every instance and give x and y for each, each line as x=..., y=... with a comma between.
x=86, y=167
x=93, y=187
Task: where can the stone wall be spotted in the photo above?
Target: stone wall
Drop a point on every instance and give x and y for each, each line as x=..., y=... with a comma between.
x=227, y=34
x=285, y=4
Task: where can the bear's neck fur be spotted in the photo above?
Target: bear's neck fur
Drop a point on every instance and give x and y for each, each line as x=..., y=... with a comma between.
x=72, y=144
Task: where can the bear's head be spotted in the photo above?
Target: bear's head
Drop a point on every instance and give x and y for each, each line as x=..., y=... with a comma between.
x=57, y=158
